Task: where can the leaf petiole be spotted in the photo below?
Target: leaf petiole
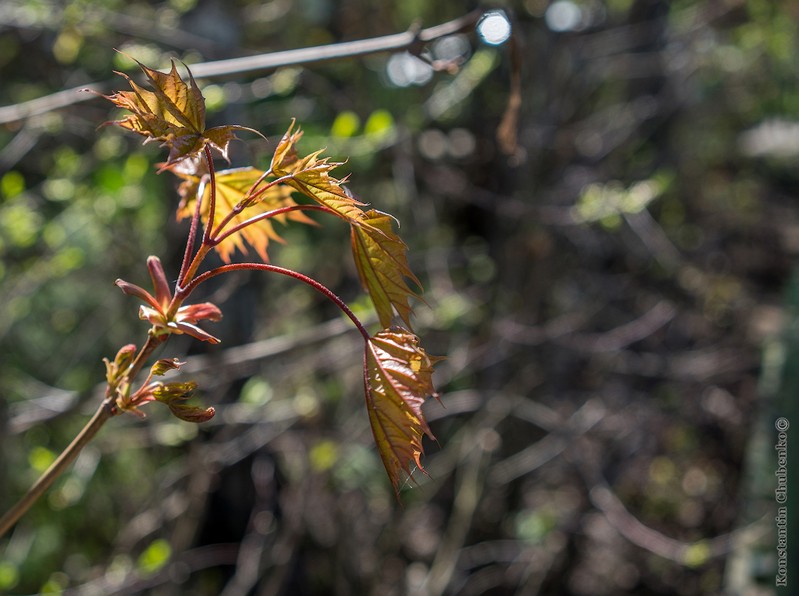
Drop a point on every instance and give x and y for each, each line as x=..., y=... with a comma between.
x=212, y=195
x=322, y=289
x=266, y=215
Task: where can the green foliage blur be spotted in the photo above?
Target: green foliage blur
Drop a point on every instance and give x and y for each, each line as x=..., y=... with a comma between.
x=602, y=291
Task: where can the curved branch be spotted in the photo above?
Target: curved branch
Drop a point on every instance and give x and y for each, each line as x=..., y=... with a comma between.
x=643, y=536
x=261, y=62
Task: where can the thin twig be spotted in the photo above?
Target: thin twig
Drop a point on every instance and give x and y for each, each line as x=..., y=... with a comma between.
x=681, y=552
x=348, y=49
x=259, y=63
x=106, y=410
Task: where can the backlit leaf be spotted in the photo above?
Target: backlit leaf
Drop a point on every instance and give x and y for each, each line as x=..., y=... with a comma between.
x=232, y=187
x=311, y=176
x=380, y=256
x=173, y=113
x=398, y=379
x=285, y=156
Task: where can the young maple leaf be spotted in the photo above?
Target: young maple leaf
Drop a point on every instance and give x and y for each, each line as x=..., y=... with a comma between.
x=173, y=113
x=232, y=187
x=397, y=379
x=157, y=309
x=285, y=158
x=310, y=175
x=382, y=263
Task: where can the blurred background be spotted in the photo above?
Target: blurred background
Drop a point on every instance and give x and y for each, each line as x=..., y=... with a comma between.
x=602, y=210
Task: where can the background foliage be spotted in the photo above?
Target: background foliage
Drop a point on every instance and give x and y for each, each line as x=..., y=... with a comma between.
x=603, y=295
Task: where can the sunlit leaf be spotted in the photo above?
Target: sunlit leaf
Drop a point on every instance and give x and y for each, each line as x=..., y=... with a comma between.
x=310, y=175
x=285, y=156
x=398, y=379
x=380, y=256
x=173, y=113
x=232, y=187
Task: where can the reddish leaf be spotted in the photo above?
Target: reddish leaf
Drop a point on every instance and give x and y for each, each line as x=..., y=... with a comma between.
x=158, y=312
x=398, y=378
x=192, y=413
x=382, y=263
x=311, y=176
x=173, y=113
x=233, y=187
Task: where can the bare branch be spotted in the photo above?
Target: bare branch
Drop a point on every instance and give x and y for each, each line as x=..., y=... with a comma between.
x=103, y=413
x=261, y=62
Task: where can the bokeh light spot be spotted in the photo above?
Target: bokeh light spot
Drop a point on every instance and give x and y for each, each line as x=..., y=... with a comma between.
x=494, y=28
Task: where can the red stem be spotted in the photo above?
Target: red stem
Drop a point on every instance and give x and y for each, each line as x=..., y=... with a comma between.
x=195, y=221
x=324, y=290
x=267, y=215
x=212, y=198
x=251, y=196
x=189, y=266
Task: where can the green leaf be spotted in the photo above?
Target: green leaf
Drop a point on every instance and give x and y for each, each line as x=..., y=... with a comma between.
x=174, y=394
x=381, y=259
x=345, y=125
x=154, y=557
x=168, y=393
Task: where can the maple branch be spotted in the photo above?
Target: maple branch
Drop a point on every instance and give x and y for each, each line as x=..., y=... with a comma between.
x=322, y=289
x=261, y=216
x=261, y=62
x=153, y=341
x=106, y=411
